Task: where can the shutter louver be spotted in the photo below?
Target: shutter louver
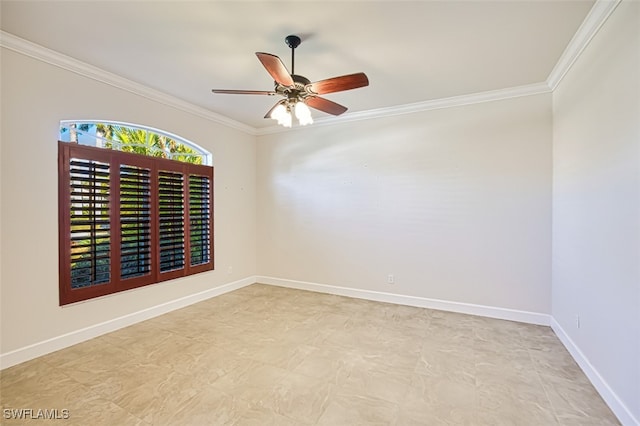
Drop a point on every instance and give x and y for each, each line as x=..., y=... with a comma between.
x=90, y=237
x=200, y=219
x=135, y=221
x=171, y=220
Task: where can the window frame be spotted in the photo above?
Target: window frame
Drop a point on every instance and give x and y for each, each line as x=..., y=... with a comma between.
x=67, y=151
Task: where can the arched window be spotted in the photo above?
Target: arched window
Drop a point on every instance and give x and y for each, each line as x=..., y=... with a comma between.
x=135, y=208
x=134, y=138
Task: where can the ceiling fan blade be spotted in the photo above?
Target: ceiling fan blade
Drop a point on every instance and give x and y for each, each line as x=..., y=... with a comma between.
x=275, y=68
x=244, y=92
x=325, y=105
x=338, y=84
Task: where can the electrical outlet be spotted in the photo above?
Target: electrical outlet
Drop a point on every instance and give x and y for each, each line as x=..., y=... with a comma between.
x=230, y=270
x=390, y=279
x=577, y=321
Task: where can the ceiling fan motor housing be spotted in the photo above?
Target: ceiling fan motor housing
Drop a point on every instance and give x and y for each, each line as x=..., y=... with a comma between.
x=298, y=91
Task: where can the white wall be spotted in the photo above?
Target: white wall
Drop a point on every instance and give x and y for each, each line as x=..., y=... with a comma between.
x=596, y=205
x=35, y=97
x=456, y=203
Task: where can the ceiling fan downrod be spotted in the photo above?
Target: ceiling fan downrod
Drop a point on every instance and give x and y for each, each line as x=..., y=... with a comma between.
x=292, y=41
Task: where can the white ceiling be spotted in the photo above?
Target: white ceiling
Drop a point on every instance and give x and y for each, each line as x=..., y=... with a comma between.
x=412, y=51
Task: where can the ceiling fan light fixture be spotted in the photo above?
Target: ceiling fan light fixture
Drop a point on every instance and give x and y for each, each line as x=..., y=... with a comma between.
x=278, y=112
x=286, y=121
x=282, y=115
x=303, y=113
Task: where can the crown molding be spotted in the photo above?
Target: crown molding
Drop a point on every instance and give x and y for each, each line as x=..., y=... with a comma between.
x=52, y=57
x=455, y=101
x=587, y=30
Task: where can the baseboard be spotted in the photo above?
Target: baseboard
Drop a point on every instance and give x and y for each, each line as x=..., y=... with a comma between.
x=421, y=302
x=610, y=397
x=60, y=342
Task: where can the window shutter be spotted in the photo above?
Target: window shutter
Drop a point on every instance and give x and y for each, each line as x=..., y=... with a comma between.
x=135, y=221
x=90, y=230
x=128, y=220
x=171, y=220
x=200, y=219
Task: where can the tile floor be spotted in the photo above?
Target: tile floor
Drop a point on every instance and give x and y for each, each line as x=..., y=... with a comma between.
x=266, y=355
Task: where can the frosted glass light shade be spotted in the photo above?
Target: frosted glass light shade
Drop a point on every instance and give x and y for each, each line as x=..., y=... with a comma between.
x=303, y=114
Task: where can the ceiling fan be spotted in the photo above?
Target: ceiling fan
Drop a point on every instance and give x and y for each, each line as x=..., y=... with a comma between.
x=298, y=91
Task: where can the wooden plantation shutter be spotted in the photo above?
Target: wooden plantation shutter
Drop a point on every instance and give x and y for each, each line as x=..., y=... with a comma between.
x=200, y=219
x=136, y=242
x=185, y=195
x=89, y=222
x=128, y=220
x=85, y=209
x=171, y=214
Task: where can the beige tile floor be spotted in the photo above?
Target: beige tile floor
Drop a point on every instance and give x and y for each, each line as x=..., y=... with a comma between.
x=265, y=355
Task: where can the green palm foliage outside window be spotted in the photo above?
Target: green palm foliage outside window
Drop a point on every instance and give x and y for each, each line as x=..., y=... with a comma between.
x=130, y=139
